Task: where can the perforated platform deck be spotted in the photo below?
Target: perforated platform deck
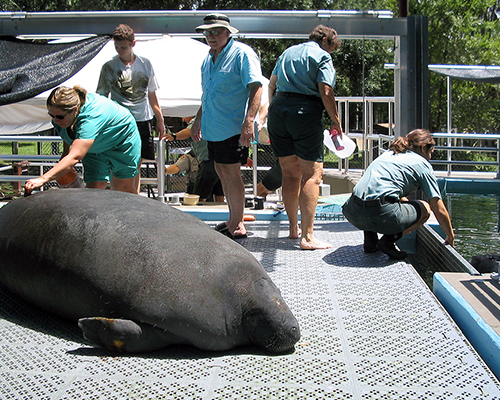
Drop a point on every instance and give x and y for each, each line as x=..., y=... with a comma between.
x=370, y=327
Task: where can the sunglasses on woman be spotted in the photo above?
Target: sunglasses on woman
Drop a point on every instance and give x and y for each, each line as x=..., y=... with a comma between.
x=59, y=117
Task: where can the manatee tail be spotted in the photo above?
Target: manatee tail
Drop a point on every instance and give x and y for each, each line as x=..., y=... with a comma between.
x=125, y=336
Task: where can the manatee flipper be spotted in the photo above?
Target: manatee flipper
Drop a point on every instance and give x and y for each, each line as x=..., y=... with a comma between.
x=125, y=336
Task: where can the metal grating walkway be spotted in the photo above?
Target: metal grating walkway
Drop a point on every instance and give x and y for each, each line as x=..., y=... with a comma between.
x=370, y=327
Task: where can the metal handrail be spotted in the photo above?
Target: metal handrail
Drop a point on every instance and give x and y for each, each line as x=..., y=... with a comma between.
x=367, y=137
x=451, y=147
x=52, y=159
x=369, y=140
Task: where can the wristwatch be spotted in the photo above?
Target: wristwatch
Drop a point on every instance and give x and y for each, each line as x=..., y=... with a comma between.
x=174, y=135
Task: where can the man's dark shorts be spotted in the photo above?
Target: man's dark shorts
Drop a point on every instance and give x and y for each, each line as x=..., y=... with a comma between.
x=228, y=151
x=295, y=127
x=148, y=145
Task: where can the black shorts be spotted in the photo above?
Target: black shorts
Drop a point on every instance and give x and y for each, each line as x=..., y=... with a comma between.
x=295, y=127
x=148, y=145
x=228, y=151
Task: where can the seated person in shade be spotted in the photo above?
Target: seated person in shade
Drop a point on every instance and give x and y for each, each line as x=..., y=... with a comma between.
x=379, y=205
x=187, y=164
x=207, y=184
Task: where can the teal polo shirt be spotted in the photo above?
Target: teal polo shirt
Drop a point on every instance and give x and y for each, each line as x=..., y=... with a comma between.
x=104, y=121
x=301, y=67
x=397, y=175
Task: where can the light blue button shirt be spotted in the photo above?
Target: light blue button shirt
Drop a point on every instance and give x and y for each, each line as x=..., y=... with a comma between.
x=225, y=90
x=301, y=67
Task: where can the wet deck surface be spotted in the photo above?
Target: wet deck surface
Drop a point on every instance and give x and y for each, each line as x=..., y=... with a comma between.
x=371, y=329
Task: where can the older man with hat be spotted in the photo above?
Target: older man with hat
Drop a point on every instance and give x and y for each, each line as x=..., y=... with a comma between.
x=232, y=90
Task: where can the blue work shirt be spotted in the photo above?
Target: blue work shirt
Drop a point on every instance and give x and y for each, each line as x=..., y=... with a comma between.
x=225, y=90
x=301, y=67
x=397, y=175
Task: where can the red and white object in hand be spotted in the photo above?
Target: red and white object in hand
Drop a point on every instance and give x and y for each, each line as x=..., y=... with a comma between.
x=346, y=148
x=334, y=133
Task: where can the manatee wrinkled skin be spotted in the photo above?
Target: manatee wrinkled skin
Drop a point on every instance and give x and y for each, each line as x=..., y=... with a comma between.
x=138, y=274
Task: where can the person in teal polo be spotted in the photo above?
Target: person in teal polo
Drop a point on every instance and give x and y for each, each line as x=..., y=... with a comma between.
x=379, y=202
x=97, y=131
x=301, y=87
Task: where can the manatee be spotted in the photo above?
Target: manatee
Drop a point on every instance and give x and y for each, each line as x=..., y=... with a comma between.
x=486, y=263
x=139, y=275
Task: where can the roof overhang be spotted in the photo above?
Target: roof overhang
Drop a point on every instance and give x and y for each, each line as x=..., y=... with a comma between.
x=474, y=73
x=251, y=23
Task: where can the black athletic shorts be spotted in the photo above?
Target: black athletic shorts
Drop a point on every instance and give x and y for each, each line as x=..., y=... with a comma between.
x=148, y=145
x=228, y=151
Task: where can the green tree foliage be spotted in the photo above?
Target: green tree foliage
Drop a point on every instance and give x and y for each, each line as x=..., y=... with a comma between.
x=461, y=32
x=359, y=63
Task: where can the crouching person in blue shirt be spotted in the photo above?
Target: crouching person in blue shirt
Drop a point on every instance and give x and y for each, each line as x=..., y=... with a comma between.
x=379, y=205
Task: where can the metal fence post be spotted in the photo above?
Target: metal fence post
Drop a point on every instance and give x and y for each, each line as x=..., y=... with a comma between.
x=160, y=170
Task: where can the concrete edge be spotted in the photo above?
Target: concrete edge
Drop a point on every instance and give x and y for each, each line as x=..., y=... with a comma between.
x=482, y=337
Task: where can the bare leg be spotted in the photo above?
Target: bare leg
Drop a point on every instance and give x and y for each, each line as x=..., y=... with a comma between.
x=96, y=185
x=234, y=190
x=128, y=185
x=137, y=182
x=291, y=184
x=137, y=178
x=312, y=173
x=262, y=191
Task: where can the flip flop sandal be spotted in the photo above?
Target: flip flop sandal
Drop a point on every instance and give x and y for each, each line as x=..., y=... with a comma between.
x=222, y=227
x=231, y=236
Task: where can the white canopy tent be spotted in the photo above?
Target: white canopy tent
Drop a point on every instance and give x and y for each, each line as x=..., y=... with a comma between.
x=177, y=64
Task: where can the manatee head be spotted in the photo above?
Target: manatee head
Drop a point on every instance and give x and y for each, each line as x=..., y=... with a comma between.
x=267, y=319
x=486, y=263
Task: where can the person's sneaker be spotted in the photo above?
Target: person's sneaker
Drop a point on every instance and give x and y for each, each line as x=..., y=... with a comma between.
x=370, y=242
x=386, y=245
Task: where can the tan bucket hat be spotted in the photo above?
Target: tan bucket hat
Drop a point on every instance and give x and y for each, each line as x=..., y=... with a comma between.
x=216, y=21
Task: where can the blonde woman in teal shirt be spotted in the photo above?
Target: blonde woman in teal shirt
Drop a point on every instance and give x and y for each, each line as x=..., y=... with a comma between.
x=97, y=131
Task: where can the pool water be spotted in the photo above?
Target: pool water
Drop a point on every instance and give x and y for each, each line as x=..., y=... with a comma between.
x=475, y=219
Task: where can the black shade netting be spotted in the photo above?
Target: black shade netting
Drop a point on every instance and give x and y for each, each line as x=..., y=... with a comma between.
x=28, y=69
